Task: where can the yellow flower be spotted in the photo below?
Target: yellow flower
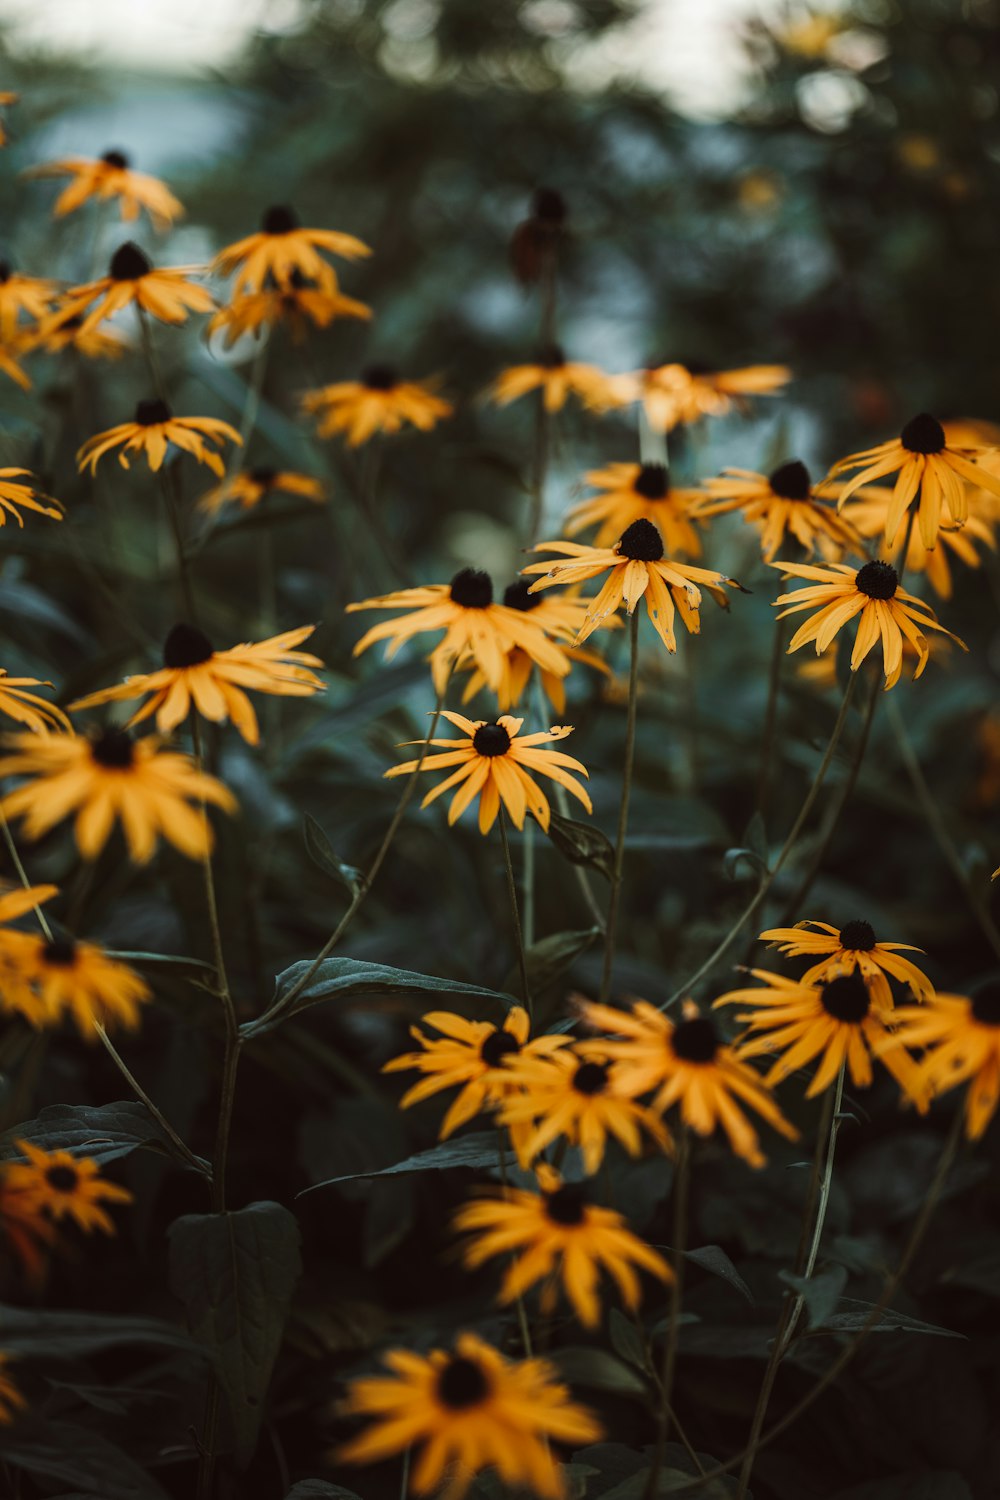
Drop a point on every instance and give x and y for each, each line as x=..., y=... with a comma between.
x=471, y=1409
x=195, y=675
x=474, y=627
x=281, y=247
x=672, y=394
x=18, y=493
x=961, y=1035
x=7, y=96
x=561, y=619
x=685, y=1063
x=251, y=486
x=869, y=516
x=634, y=492
x=297, y=304
x=888, y=614
x=495, y=764
x=110, y=176
x=840, y=1021
x=557, y=1232
x=11, y=353
x=107, y=777
x=931, y=469
x=152, y=429
x=16, y=997
x=165, y=293
x=27, y=708
x=381, y=401
x=71, y=978
x=555, y=378
x=783, y=502
x=92, y=343
x=637, y=568
x=11, y=1400
x=29, y=1233
x=65, y=1186
x=853, y=946
x=28, y=297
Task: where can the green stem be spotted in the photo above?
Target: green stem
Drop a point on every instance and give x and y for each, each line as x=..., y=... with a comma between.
x=22, y=873
x=515, y=915
x=140, y=1093
x=672, y=1332
x=770, y=714
x=542, y=443
x=522, y=1316
x=616, y=883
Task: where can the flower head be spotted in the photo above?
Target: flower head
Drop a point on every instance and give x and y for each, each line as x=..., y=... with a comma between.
x=785, y=501
x=250, y=486
x=380, y=401
x=555, y=377
x=635, y=492
x=28, y=708
x=110, y=176
x=152, y=429
x=68, y=977
x=868, y=512
x=281, y=248
x=297, y=304
x=27, y=1231
x=557, y=1233
x=673, y=393
x=888, y=614
x=25, y=298
x=961, y=1038
x=844, y=949
x=16, y=995
x=65, y=1186
x=164, y=293
x=110, y=777
x=18, y=491
x=561, y=618
x=470, y=1408
x=494, y=763
x=91, y=343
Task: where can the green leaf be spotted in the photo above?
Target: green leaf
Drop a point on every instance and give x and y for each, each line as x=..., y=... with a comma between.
x=552, y=956
x=177, y=962
x=68, y=1335
x=713, y=1258
x=820, y=1293
x=235, y=1274
x=626, y=1339
x=321, y=852
x=854, y=1315
x=76, y=1455
x=733, y=859
x=583, y=844
x=669, y=1482
x=352, y=978
x=319, y=1489
x=479, y=1149
x=599, y=1370
x=104, y=1132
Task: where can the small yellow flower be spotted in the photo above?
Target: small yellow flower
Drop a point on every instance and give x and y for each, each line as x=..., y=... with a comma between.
x=635, y=492
x=961, y=1038
x=674, y=394
x=153, y=428
x=853, y=946
x=28, y=708
x=67, y=977
x=249, y=487
x=298, y=304
x=785, y=501
x=555, y=378
x=281, y=248
x=18, y=492
x=110, y=176
x=381, y=401
x=164, y=293
x=65, y=1186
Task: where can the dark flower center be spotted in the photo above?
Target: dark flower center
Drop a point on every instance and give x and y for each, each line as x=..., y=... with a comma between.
x=279, y=220
x=151, y=413
x=380, y=377
x=986, y=1004
x=652, y=482
x=879, y=580
x=461, y=1384
x=591, y=1078
x=115, y=159
x=567, y=1205
x=186, y=646
x=60, y=953
x=263, y=476
x=641, y=542
x=694, y=1041
x=846, y=998
x=497, y=1045
x=791, y=481
x=517, y=595
x=63, y=1179
x=551, y=357
x=472, y=589
x=491, y=740
x=5, y=270
x=549, y=205
x=924, y=434
x=129, y=263
x=114, y=749
x=858, y=936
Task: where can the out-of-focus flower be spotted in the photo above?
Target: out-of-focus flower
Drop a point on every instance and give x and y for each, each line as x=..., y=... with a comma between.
x=381, y=401
x=281, y=247
x=110, y=176
x=152, y=429
x=638, y=492
x=166, y=293
x=249, y=487
x=555, y=378
x=784, y=502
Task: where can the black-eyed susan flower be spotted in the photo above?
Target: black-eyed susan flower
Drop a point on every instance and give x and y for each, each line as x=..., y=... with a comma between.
x=27, y=708
x=18, y=491
x=250, y=486
x=560, y=616
x=784, y=502
x=295, y=305
x=465, y=1411
x=686, y=1063
x=65, y=1187
x=574, y=1094
x=11, y=1400
x=495, y=763
x=91, y=343
x=282, y=247
x=196, y=676
x=150, y=432
x=111, y=177
x=380, y=401
x=557, y=1234
x=637, y=568
x=930, y=469
x=22, y=297
x=672, y=394
x=853, y=946
x=7, y=96
x=468, y=1055
x=474, y=627
x=840, y=1021
x=888, y=614
x=165, y=293
x=961, y=1038
x=108, y=778
x=70, y=978
x=634, y=492
x=962, y=544
x=28, y=1233
x=11, y=353
x=555, y=378
x=16, y=995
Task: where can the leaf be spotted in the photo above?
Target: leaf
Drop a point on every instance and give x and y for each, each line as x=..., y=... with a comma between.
x=734, y=858
x=713, y=1258
x=319, y=1489
x=77, y=1456
x=627, y=1340
x=854, y=1315
x=941, y=1484
x=820, y=1293
x=599, y=1370
x=583, y=844
x=104, y=1132
x=552, y=956
x=179, y=962
x=478, y=1149
x=321, y=852
x=235, y=1274
x=351, y=978
x=669, y=1482
x=67, y=1335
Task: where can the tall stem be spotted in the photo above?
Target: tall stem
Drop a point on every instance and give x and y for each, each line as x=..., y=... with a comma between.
x=169, y=475
x=22, y=873
x=616, y=883
x=672, y=1332
x=140, y=1093
x=770, y=714
x=543, y=417
x=514, y=913
x=522, y=1316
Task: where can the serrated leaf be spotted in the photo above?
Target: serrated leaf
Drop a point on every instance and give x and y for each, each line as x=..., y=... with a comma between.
x=69, y=1335
x=854, y=1315
x=76, y=1455
x=235, y=1274
x=321, y=852
x=820, y=1293
x=479, y=1149
x=713, y=1258
x=599, y=1370
x=104, y=1132
x=583, y=844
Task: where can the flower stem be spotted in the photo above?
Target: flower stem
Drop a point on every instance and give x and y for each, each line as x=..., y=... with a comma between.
x=22, y=873
x=616, y=883
x=169, y=476
x=680, y=1196
x=770, y=714
x=543, y=417
x=179, y=1145
x=514, y=913
x=522, y=1316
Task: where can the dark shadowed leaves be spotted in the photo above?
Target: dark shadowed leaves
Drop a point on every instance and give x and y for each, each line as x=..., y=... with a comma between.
x=583, y=844
x=103, y=1132
x=75, y=1455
